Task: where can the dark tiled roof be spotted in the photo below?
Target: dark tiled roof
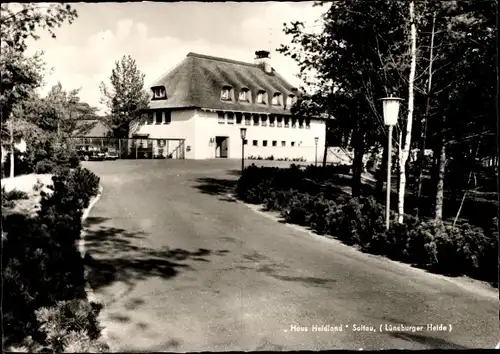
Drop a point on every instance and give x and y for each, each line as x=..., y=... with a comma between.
x=91, y=128
x=197, y=82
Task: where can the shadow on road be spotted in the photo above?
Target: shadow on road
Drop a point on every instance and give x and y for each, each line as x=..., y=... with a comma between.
x=118, y=255
x=216, y=187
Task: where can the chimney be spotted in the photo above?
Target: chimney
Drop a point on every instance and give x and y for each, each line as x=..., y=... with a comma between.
x=263, y=60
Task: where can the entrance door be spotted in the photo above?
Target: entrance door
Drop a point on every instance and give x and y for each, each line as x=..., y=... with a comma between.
x=221, y=146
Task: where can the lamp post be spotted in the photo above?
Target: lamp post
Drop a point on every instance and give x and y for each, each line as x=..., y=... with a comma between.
x=243, y=133
x=391, y=111
x=316, y=139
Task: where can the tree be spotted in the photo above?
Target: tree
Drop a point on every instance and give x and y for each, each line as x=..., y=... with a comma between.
x=361, y=53
x=314, y=106
x=21, y=74
x=405, y=149
x=461, y=34
x=64, y=109
x=126, y=99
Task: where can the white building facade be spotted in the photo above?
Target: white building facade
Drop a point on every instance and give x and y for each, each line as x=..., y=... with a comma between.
x=207, y=118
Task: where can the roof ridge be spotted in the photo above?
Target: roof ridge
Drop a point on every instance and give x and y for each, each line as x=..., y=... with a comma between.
x=231, y=61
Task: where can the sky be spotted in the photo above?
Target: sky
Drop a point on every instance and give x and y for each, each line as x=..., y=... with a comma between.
x=159, y=35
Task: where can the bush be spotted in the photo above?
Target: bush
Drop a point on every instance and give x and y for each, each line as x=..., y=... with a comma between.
x=298, y=209
x=14, y=194
x=45, y=166
x=67, y=157
x=70, y=324
x=324, y=215
x=373, y=232
x=278, y=200
x=8, y=198
x=41, y=262
x=310, y=198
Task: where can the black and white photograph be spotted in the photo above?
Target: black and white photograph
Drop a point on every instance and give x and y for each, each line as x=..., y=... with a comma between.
x=249, y=176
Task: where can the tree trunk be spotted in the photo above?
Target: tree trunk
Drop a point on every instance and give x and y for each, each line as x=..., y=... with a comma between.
x=382, y=173
x=398, y=159
x=423, y=134
x=357, y=165
x=11, y=141
x=468, y=179
x=438, y=213
x=407, y=145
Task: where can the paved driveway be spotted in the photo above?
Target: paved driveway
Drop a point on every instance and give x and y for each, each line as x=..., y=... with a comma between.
x=182, y=267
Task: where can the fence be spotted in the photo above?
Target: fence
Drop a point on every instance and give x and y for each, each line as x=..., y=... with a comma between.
x=139, y=148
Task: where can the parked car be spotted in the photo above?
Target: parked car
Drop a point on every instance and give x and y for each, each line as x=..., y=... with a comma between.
x=111, y=153
x=90, y=152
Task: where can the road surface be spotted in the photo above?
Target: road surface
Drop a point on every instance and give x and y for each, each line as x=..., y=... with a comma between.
x=181, y=266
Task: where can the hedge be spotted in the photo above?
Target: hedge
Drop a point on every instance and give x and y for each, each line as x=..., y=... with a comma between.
x=43, y=268
x=311, y=199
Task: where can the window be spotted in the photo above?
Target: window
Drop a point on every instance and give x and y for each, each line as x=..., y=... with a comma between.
x=255, y=143
x=301, y=123
x=159, y=92
x=283, y=143
x=151, y=118
x=161, y=143
x=159, y=117
x=261, y=97
x=264, y=121
x=290, y=101
x=247, y=119
x=280, y=122
x=245, y=142
x=238, y=118
x=271, y=121
x=168, y=117
x=264, y=142
x=255, y=120
x=222, y=118
x=287, y=122
x=275, y=143
x=277, y=99
x=226, y=93
x=292, y=143
x=230, y=118
x=308, y=123
x=294, y=123
x=244, y=95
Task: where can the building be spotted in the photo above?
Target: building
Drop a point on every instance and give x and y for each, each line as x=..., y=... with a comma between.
x=201, y=105
x=90, y=131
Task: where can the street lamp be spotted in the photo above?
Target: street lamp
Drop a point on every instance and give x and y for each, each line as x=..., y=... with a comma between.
x=391, y=111
x=316, y=139
x=243, y=133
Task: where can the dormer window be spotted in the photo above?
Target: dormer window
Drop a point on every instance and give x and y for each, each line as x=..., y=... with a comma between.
x=290, y=101
x=226, y=93
x=159, y=93
x=261, y=97
x=276, y=99
x=244, y=95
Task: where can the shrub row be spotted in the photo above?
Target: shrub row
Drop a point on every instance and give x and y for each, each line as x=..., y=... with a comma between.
x=301, y=199
x=43, y=268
